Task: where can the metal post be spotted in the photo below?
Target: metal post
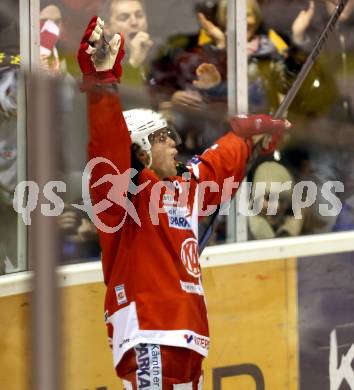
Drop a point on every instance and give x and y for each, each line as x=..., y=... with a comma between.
x=237, y=75
x=42, y=152
x=34, y=34
x=237, y=63
x=25, y=16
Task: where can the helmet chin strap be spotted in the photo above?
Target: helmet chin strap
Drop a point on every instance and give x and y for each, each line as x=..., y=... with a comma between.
x=150, y=159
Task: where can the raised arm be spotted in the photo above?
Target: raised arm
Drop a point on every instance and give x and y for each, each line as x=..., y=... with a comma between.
x=100, y=62
x=109, y=140
x=225, y=162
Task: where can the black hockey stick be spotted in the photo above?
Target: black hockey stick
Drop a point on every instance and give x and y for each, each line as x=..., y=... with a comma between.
x=281, y=112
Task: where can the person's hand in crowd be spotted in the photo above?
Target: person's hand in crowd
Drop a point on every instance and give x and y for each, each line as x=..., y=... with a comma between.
x=100, y=61
x=215, y=33
x=49, y=36
x=44, y=62
x=208, y=76
x=50, y=65
x=87, y=230
x=69, y=221
x=139, y=48
x=301, y=24
x=190, y=99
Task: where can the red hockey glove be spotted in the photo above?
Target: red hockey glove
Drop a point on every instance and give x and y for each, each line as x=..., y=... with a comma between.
x=100, y=61
x=270, y=143
x=247, y=126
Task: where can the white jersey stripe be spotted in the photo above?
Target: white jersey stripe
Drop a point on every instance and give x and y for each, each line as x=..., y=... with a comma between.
x=127, y=334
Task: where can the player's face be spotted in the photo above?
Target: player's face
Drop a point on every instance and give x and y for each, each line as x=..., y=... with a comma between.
x=127, y=17
x=163, y=152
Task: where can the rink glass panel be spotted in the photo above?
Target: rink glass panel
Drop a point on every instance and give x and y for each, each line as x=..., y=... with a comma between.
x=9, y=71
x=169, y=67
x=317, y=150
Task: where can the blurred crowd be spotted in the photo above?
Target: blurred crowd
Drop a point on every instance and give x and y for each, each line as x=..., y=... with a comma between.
x=176, y=63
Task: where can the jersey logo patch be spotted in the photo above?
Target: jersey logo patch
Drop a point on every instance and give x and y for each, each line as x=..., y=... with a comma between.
x=192, y=288
x=177, y=217
x=195, y=160
x=200, y=341
x=190, y=257
x=120, y=293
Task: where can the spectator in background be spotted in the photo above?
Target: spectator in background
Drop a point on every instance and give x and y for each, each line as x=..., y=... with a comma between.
x=266, y=73
x=339, y=46
x=314, y=15
x=174, y=68
x=322, y=153
x=74, y=16
x=129, y=18
x=328, y=139
x=78, y=236
x=204, y=110
x=210, y=46
x=50, y=25
x=8, y=167
x=282, y=223
x=172, y=77
x=9, y=65
x=9, y=33
x=273, y=64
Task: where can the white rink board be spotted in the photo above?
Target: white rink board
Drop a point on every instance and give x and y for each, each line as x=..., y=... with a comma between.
x=214, y=256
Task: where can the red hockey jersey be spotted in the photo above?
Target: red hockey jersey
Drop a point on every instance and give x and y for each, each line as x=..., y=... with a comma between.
x=150, y=264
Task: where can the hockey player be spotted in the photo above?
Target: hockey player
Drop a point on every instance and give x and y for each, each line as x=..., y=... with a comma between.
x=155, y=309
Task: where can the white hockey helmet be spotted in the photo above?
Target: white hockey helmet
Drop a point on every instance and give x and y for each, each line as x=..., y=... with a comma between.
x=142, y=122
